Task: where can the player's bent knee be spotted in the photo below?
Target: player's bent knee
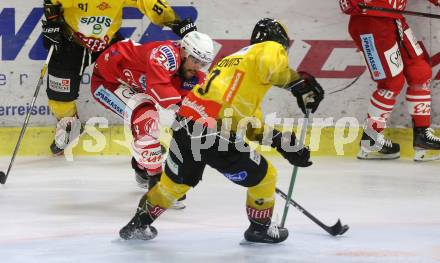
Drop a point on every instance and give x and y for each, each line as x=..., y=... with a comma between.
x=263, y=177
x=166, y=192
x=62, y=109
x=418, y=73
x=138, y=104
x=394, y=84
x=267, y=185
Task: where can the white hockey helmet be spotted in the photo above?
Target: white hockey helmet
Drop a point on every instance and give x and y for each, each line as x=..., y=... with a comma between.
x=199, y=46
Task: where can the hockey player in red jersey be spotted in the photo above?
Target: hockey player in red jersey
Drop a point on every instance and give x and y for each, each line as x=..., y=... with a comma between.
x=393, y=56
x=134, y=80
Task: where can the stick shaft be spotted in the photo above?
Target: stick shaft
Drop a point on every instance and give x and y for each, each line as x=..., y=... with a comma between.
x=28, y=114
x=295, y=168
x=389, y=10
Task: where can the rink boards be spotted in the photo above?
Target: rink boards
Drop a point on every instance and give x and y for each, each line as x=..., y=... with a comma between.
x=321, y=45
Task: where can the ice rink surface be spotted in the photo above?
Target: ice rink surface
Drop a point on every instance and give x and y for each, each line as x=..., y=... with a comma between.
x=52, y=210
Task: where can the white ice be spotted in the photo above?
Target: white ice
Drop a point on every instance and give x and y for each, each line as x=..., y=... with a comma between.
x=52, y=210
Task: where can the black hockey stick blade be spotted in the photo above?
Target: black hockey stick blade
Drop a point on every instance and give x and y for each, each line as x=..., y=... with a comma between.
x=336, y=230
x=2, y=178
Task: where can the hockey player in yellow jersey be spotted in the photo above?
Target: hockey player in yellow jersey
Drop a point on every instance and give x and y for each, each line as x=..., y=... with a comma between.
x=80, y=30
x=212, y=123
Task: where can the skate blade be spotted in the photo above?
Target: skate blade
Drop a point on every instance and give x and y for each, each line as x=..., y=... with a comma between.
x=145, y=235
x=364, y=155
x=178, y=206
x=58, y=154
x=423, y=155
x=244, y=242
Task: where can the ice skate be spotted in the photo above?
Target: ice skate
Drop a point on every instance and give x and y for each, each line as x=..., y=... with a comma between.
x=138, y=229
x=179, y=204
x=378, y=148
x=146, y=181
x=67, y=131
x=424, y=140
x=141, y=175
x=260, y=234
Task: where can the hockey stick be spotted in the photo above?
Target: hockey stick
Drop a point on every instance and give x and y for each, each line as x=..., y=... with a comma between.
x=3, y=176
x=389, y=10
x=295, y=168
x=345, y=87
x=334, y=230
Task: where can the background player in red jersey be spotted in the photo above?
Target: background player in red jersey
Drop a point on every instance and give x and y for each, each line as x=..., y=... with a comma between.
x=134, y=80
x=393, y=55
x=79, y=31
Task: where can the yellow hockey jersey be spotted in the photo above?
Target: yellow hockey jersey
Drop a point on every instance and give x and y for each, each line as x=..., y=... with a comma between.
x=95, y=22
x=235, y=87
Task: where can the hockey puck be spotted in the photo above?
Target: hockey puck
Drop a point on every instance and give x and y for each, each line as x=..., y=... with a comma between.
x=2, y=178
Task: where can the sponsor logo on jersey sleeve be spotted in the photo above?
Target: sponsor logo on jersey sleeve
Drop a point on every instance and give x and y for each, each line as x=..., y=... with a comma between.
x=372, y=57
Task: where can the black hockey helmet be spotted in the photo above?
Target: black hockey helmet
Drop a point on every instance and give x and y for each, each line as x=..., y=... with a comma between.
x=269, y=29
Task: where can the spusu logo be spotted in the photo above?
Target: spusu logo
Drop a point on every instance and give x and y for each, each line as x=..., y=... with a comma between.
x=94, y=25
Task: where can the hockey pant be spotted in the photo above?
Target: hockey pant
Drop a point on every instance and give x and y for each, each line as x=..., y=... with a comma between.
x=393, y=55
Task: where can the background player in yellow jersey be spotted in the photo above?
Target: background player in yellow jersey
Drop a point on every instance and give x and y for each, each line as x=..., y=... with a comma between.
x=211, y=124
x=80, y=30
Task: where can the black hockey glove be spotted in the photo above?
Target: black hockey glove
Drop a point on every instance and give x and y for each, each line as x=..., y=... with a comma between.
x=307, y=91
x=52, y=34
x=295, y=157
x=181, y=28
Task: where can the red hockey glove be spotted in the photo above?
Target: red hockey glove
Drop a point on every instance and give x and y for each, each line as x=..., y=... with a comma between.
x=351, y=7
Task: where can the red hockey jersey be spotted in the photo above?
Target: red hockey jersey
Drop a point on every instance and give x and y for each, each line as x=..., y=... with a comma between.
x=149, y=68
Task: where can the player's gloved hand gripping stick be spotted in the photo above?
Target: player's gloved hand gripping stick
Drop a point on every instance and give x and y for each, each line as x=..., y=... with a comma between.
x=3, y=176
